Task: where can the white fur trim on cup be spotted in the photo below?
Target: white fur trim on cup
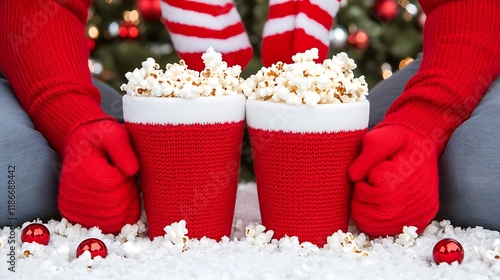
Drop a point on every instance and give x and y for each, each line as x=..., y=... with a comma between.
x=201, y=110
x=302, y=118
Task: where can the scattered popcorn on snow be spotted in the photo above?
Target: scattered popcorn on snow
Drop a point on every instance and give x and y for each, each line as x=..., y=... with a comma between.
x=85, y=259
x=288, y=242
x=491, y=255
x=347, y=243
x=432, y=229
x=33, y=249
x=58, y=260
x=178, y=80
x=408, y=237
x=439, y=228
x=306, y=82
x=129, y=232
x=131, y=249
x=308, y=249
x=176, y=234
x=292, y=243
x=64, y=228
x=96, y=232
x=257, y=235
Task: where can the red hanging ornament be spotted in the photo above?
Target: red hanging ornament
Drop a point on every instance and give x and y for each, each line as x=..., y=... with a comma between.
x=149, y=9
x=91, y=43
x=95, y=246
x=386, y=10
x=359, y=39
x=128, y=30
x=37, y=233
x=448, y=250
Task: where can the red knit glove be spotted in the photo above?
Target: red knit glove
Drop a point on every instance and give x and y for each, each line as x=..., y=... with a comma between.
x=396, y=181
x=396, y=174
x=97, y=187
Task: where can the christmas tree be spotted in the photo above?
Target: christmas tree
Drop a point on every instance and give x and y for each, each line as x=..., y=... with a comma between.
x=380, y=35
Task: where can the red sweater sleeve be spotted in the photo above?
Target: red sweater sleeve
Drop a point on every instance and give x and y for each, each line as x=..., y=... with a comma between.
x=45, y=58
x=461, y=58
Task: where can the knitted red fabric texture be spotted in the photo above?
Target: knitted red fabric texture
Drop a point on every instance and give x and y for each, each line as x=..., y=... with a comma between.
x=189, y=172
x=93, y=191
x=461, y=59
x=195, y=26
x=401, y=190
x=302, y=181
x=45, y=58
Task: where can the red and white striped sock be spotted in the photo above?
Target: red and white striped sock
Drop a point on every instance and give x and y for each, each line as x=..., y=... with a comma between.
x=295, y=26
x=277, y=36
x=312, y=25
x=196, y=25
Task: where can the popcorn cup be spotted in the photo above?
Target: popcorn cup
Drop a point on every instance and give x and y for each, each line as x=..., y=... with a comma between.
x=189, y=155
x=301, y=156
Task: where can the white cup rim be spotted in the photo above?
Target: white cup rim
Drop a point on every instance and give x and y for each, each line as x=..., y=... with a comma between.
x=273, y=116
x=201, y=110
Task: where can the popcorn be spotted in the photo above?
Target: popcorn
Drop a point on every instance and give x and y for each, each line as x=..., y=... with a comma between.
x=176, y=234
x=71, y=231
x=306, y=82
x=287, y=242
x=347, y=243
x=408, y=237
x=256, y=235
x=217, y=79
x=439, y=228
x=490, y=256
x=129, y=232
x=308, y=249
x=33, y=249
x=131, y=249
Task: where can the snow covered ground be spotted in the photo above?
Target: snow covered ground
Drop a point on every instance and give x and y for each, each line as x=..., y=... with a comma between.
x=239, y=257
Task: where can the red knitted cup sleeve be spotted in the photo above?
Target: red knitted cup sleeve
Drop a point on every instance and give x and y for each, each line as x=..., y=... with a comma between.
x=302, y=181
x=189, y=172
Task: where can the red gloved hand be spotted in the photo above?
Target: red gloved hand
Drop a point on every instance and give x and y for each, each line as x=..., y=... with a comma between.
x=97, y=187
x=396, y=181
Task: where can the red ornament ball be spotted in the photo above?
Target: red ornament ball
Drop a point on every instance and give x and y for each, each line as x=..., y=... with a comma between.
x=91, y=43
x=149, y=9
x=448, y=250
x=95, y=246
x=128, y=30
x=37, y=233
x=358, y=39
x=386, y=10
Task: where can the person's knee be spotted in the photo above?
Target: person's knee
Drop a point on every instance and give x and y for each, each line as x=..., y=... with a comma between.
x=33, y=168
x=469, y=189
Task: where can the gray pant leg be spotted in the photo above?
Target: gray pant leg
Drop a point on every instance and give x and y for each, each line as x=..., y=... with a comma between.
x=34, y=164
x=470, y=168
